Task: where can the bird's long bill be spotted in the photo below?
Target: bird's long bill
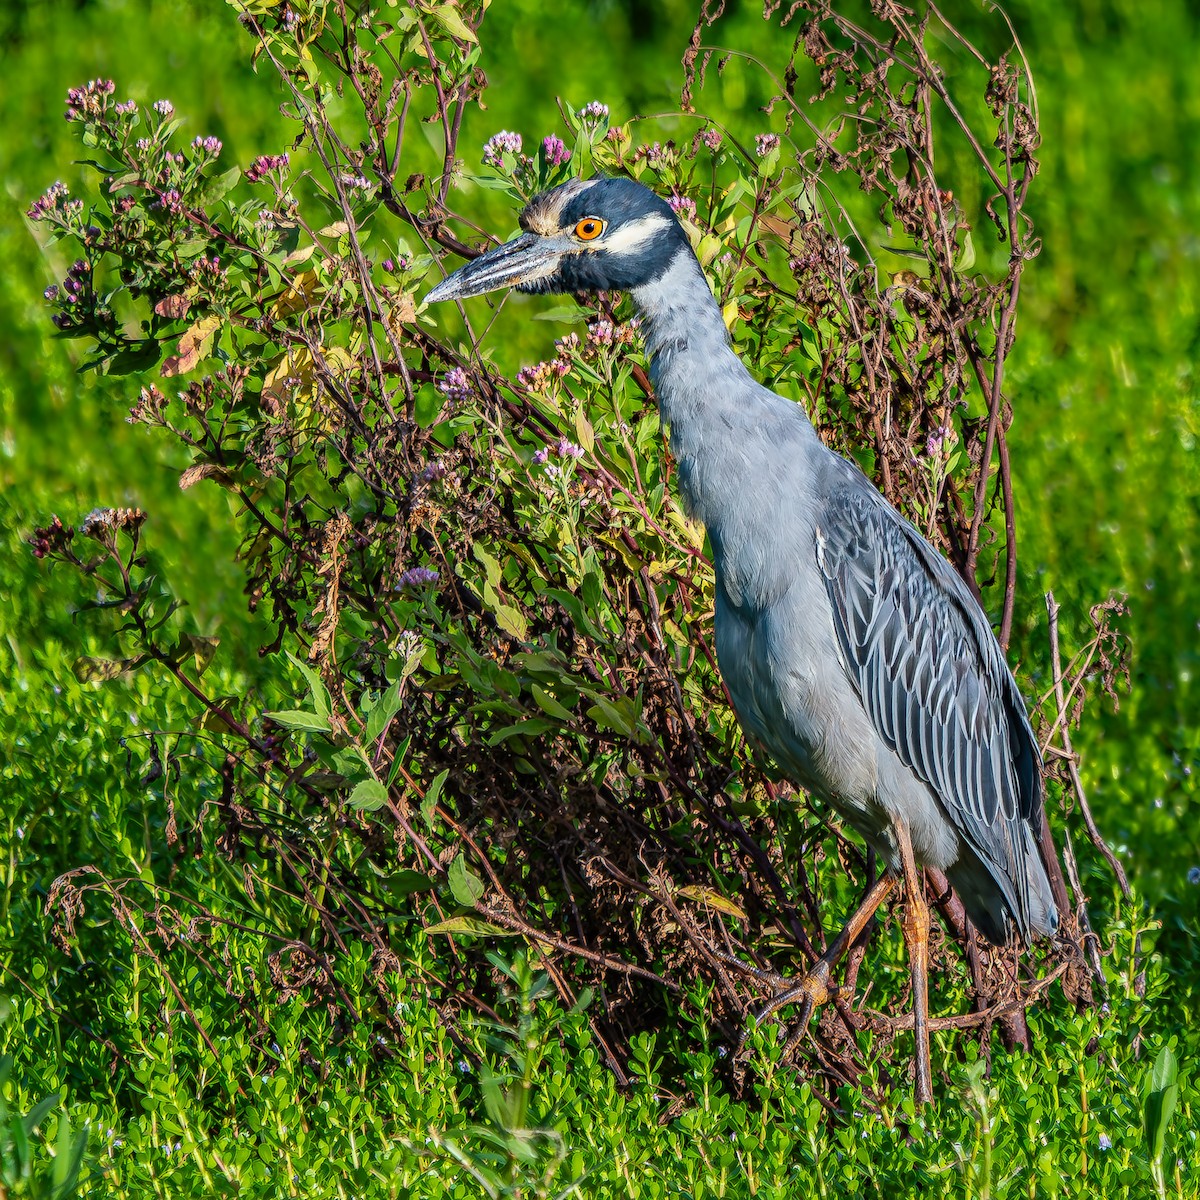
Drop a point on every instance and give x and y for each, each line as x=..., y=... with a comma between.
x=523, y=260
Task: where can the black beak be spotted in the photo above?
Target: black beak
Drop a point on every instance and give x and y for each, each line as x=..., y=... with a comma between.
x=524, y=260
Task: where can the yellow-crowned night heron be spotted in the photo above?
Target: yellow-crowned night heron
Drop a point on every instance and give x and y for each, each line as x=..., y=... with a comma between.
x=853, y=652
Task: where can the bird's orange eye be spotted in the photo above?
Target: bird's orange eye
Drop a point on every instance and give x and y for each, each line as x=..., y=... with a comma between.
x=589, y=229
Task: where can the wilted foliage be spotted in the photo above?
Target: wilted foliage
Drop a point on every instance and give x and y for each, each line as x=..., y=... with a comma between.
x=510, y=721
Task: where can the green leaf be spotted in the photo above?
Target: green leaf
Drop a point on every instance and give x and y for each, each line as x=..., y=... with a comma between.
x=570, y=314
x=1160, y=1092
x=218, y=187
x=299, y=719
x=466, y=887
x=90, y=668
x=446, y=15
x=200, y=648
x=405, y=883
x=383, y=710
x=512, y=621
x=368, y=796
x=68, y=1158
x=475, y=926
x=39, y=1112
x=433, y=793
x=530, y=727
x=490, y=564
x=549, y=705
x=316, y=687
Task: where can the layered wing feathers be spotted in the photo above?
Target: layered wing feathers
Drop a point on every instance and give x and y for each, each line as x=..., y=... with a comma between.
x=931, y=675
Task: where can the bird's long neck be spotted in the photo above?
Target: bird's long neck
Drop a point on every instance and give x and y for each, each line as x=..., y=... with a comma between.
x=691, y=361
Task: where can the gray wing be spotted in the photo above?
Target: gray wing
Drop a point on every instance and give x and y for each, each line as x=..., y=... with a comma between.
x=931, y=675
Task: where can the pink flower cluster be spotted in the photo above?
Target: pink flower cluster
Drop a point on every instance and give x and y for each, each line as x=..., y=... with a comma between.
x=263, y=165
x=712, y=139
x=764, y=143
x=455, y=385
x=54, y=202
x=415, y=576
x=55, y=536
x=88, y=102
x=940, y=440
x=540, y=375
x=499, y=144
x=555, y=150
x=594, y=113
x=207, y=145
x=601, y=333
x=562, y=449
x=683, y=207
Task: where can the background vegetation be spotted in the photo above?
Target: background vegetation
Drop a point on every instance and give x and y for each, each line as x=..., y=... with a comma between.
x=1108, y=490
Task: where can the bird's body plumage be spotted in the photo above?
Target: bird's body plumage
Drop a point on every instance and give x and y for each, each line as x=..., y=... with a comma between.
x=852, y=651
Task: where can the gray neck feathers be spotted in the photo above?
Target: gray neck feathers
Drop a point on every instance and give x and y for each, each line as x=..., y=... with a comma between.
x=725, y=428
x=691, y=361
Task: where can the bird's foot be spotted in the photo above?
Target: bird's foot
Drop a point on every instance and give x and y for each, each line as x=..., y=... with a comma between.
x=810, y=991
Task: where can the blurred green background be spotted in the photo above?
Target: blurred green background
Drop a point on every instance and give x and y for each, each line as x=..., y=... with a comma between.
x=1103, y=383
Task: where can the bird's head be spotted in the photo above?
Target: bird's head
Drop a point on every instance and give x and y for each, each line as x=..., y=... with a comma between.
x=584, y=235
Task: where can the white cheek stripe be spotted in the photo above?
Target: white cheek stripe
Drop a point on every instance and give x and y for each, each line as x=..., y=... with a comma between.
x=630, y=238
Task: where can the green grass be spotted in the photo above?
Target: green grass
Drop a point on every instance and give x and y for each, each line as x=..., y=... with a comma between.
x=1105, y=394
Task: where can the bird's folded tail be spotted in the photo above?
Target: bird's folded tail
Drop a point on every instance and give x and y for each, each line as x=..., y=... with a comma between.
x=989, y=895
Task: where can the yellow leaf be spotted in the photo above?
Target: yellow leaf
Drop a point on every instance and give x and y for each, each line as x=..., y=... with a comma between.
x=300, y=294
x=713, y=899
x=511, y=621
x=583, y=431
x=193, y=346
x=300, y=255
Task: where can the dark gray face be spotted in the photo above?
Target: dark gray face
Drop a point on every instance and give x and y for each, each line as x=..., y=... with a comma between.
x=585, y=235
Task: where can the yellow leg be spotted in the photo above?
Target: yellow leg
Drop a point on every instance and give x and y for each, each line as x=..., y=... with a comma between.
x=916, y=935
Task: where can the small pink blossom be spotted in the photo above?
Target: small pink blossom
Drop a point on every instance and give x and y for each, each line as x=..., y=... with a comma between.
x=555, y=150
x=499, y=144
x=682, y=206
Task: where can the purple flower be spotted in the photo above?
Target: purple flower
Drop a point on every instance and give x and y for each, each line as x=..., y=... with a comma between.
x=601, y=333
x=164, y=108
x=50, y=203
x=566, y=449
x=942, y=438
x=355, y=183
x=455, y=385
x=764, y=143
x=540, y=456
x=207, y=145
x=594, y=113
x=88, y=102
x=126, y=108
x=499, y=144
x=1104, y=1142
x=170, y=201
x=51, y=293
x=1193, y=875
x=264, y=164
x=682, y=206
x=555, y=150
x=415, y=576
x=712, y=139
